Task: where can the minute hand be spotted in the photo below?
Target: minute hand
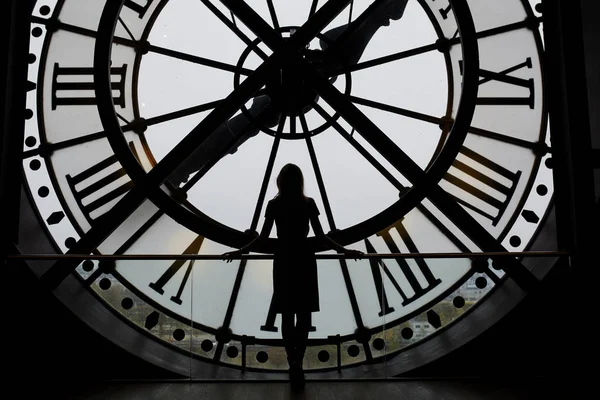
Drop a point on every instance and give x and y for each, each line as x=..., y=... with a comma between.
x=272, y=39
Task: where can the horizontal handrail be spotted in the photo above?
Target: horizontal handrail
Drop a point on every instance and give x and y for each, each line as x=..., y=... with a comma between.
x=378, y=256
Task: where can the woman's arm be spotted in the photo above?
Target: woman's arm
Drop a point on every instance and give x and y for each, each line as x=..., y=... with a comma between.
x=318, y=229
x=264, y=234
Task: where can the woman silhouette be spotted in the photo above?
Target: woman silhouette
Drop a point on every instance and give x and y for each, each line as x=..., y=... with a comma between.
x=295, y=284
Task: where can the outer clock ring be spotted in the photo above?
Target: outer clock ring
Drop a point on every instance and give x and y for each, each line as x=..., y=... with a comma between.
x=219, y=232
x=425, y=344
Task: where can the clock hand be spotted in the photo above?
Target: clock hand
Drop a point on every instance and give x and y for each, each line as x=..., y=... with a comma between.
x=265, y=32
x=347, y=43
x=347, y=52
x=262, y=113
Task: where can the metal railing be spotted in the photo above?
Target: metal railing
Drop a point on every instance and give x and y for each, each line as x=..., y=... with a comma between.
x=378, y=256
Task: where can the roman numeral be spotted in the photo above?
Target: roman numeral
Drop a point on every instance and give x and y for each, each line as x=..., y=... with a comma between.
x=95, y=187
x=269, y=325
x=417, y=290
x=80, y=80
x=139, y=6
x=504, y=77
x=485, y=184
x=445, y=11
x=159, y=285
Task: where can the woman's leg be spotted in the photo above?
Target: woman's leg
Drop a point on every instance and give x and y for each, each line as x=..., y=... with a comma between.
x=288, y=335
x=302, y=331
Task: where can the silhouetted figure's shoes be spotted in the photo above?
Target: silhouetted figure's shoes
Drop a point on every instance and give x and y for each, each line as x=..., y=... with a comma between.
x=297, y=377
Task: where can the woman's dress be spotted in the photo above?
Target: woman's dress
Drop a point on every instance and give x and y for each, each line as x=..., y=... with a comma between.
x=295, y=281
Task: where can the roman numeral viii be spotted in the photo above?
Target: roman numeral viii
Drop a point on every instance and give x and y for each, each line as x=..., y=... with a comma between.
x=74, y=86
x=139, y=6
x=159, y=285
x=100, y=184
x=414, y=288
x=480, y=191
x=509, y=84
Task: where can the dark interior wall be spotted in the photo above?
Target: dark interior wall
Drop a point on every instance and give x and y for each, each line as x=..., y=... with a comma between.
x=591, y=32
x=533, y=340
x=48, y=342
x=591, y=29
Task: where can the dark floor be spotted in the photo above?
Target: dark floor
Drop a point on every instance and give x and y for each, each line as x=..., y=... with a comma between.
x=465, y=389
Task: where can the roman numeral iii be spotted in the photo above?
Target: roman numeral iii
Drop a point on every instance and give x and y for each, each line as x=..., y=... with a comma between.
x=74, y=86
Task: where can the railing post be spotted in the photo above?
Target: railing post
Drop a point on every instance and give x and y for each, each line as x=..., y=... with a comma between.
x=337, y=340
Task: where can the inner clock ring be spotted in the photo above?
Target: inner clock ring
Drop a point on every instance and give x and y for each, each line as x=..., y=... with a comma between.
x=284, y=103
x=171, y=204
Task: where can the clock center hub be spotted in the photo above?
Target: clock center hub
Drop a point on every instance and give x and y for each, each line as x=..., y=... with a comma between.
x=289, y=92
x=289, y=95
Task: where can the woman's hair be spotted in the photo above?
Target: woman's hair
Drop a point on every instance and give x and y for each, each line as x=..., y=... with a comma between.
x=290, y=181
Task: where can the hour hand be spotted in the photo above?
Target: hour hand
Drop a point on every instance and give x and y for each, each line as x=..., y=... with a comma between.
x=223, y=139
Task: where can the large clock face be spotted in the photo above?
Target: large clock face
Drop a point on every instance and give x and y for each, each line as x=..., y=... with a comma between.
x=158, y=127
